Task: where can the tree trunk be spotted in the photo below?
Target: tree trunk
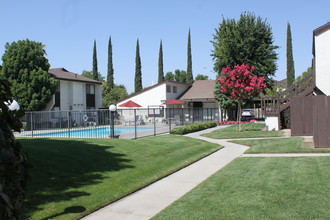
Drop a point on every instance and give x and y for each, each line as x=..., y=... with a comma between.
x=239, y=116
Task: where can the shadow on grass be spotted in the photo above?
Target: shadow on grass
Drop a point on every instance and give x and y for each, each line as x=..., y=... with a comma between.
x=71, y=209
x=60, y=167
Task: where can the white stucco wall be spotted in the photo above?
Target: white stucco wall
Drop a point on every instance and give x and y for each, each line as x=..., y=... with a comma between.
x=155, y=96
x=180, y=90
x=98, y=96
x=50, y=104
x=66, y=95
x=73, y=95
x=78, y=96
x=272, y=123
x=150, y=97
x=322, y=62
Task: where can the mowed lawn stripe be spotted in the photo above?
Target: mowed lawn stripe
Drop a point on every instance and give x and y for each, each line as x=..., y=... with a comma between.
x=260, y=188
x=73, y=177
x=249, y=130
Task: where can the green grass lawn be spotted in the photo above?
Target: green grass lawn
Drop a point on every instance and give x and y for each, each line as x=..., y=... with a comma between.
x=73, y=177
x=278, y=145
x=249, y=130
x=260, y=188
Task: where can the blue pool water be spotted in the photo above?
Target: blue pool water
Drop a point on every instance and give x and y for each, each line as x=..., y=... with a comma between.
x=91, y=132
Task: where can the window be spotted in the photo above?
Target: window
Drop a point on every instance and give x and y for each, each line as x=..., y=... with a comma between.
x=90, y=89
x=168, y=88
x=174, y=89
x=90, y=95
x=58, y=95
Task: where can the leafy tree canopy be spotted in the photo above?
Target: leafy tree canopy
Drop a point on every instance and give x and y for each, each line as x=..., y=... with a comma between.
x=201, y=77
x=272, y=91
x=304, y=74
x=112, y=95
x=89, y=74
x=248, y=40
x=169, y=76
x=240, y=84
x=179, y=76
x=13, y=165
x=26, y=68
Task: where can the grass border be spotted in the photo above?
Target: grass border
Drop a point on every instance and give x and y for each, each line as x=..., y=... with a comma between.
x=288, y=145
x=136, y=190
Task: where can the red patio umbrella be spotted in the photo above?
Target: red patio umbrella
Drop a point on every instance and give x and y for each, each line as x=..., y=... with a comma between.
x=173, y=102
x=130, y=104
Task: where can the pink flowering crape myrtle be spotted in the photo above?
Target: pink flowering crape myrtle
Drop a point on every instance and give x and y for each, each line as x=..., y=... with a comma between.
x=240, y=84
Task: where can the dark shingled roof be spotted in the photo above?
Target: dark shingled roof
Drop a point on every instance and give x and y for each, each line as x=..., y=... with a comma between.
x=322, y=29
x=63, y=74
x=200, y=90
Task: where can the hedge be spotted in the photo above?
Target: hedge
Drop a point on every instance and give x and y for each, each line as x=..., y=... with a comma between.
x=185, y=129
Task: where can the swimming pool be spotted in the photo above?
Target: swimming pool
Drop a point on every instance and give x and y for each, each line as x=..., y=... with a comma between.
x=90, y=132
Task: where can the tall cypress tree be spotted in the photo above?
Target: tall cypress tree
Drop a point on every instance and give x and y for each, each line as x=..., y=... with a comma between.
x=138, y=71
x=95, y=71
x=190, y=77
x=290, y=74
x=160, y=64
x=110, y=78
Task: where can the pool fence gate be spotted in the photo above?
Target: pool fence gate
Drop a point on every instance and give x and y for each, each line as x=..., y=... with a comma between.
x=127, y=123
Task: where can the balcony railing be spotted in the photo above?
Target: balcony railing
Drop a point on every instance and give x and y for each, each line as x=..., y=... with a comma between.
x=273, y=105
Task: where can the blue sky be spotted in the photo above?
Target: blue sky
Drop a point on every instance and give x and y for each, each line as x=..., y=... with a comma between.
x=68, y=29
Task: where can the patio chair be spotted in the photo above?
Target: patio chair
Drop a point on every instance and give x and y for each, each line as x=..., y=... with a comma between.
x=122, y=120
x=139, y=120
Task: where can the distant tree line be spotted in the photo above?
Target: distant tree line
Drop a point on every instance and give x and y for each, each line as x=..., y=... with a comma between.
x=111, y=92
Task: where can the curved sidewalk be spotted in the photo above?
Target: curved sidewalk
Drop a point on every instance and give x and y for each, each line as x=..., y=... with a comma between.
x=152, y=199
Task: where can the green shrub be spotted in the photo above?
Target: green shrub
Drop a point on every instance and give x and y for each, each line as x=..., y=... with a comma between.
x=13, y=164
x=193, y=127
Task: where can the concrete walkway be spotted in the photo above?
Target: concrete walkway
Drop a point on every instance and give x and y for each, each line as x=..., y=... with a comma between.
x=150, y=200
x=288, y=155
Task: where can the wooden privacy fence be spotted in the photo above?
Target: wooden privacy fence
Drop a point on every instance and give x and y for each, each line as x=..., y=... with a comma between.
x=302, y=116
x=321, y=114
x=310, y=115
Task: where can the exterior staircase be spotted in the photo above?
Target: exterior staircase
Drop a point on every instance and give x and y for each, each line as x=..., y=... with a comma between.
x=272, y=106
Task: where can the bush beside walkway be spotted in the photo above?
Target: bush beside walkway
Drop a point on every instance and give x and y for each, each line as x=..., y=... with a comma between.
x=186, y=129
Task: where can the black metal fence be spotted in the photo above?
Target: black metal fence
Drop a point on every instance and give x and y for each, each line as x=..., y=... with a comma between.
x=128, y=123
